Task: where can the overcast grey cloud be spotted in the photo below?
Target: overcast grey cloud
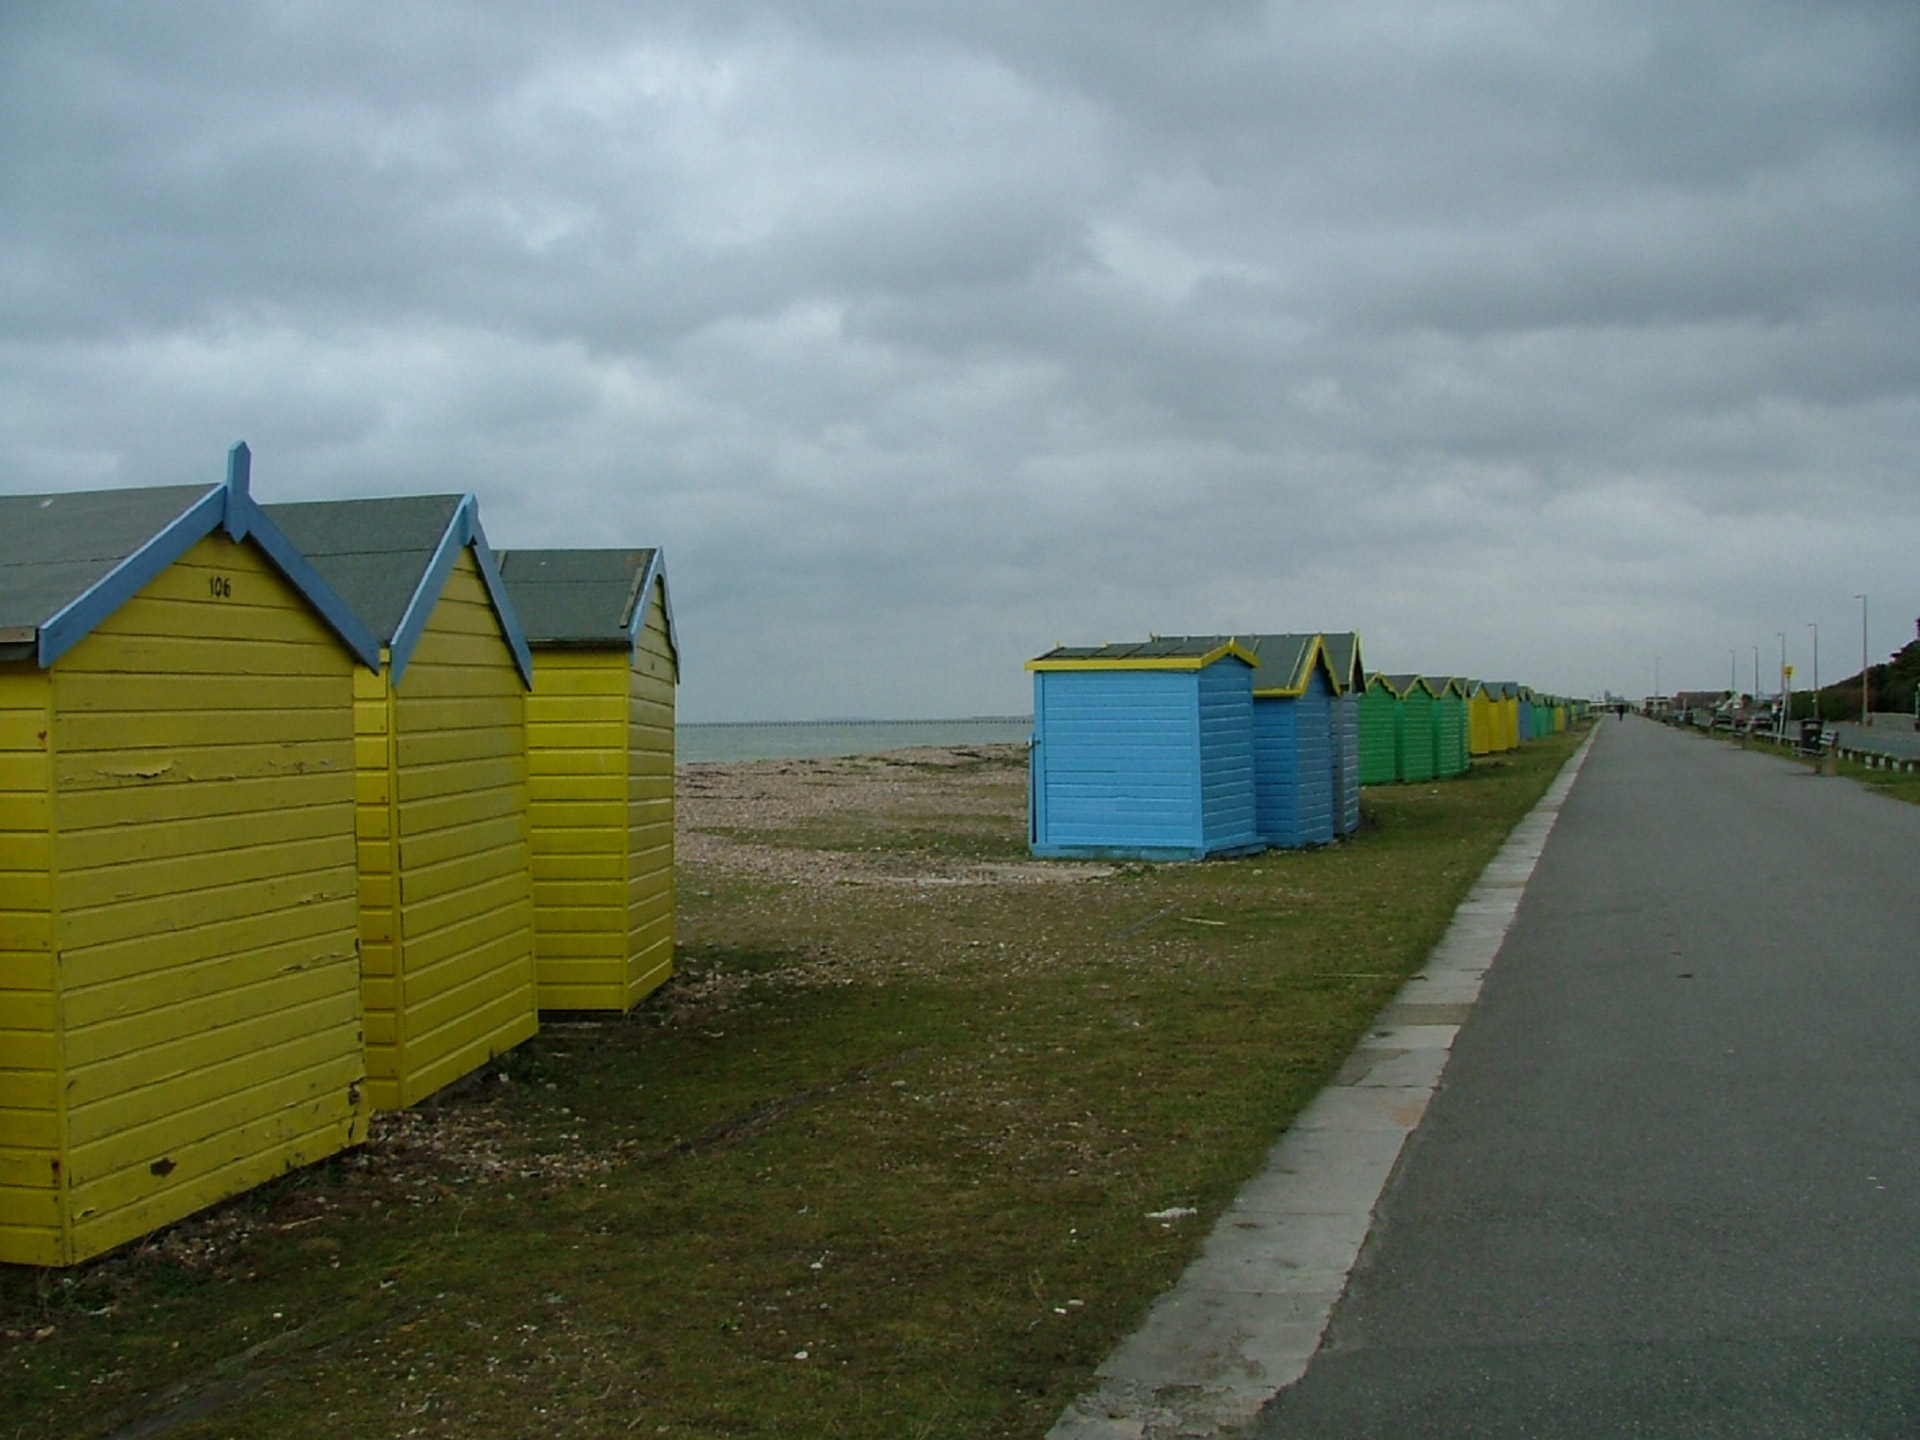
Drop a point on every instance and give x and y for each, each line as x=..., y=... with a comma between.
x=1533, y=340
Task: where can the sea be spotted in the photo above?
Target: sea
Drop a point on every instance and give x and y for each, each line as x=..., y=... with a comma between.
x=817, y=739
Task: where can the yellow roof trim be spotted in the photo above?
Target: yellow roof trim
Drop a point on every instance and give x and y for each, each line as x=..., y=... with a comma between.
x=1158, y=662
x=1316, y=655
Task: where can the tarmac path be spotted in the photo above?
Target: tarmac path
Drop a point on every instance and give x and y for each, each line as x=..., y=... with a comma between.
x=1670, y=1182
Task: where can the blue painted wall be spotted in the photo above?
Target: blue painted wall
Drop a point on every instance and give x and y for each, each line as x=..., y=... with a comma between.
x=1345, y=711
x=1226, y=757
x=1293, y=765
x=1143, y=764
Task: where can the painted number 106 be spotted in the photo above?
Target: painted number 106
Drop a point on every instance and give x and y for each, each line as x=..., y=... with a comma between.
x=220, y=587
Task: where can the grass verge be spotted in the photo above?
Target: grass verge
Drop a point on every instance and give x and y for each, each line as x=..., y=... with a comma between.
x=883, y=1160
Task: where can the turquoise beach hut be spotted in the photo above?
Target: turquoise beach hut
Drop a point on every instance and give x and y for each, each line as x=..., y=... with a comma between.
x=1143, y=751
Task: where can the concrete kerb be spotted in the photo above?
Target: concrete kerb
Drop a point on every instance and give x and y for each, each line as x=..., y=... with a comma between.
x=1244, y=1319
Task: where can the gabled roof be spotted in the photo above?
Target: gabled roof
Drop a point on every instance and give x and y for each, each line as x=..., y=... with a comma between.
x=1404, y=685
x=1442, y=685
x=1283, y=662
x=586, y=599
x=390, y=559
x=69, y=561
x=1343, y=659
x=1176, y=652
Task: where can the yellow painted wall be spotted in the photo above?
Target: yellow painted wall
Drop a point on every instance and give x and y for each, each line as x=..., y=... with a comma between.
x=600, y=758
x=446, y=910
x=1482, y=724
x=650, y=901
x=204, y=986
x=577, y=761
x=32, y=1197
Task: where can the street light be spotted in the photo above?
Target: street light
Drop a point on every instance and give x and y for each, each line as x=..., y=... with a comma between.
x=1733, y=673
x=1866, y=698
x=1780, y=721
x=1814, y=626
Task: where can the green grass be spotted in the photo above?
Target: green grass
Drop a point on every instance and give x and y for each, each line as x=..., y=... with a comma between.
x=913, y=1133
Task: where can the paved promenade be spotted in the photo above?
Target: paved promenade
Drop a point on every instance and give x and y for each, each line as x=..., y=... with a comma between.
x=1669, y=1184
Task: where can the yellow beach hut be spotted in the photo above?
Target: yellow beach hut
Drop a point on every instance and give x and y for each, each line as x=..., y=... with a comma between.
x=179, y=989
x=1484, y=722
x=600, y=771
x=446, y=902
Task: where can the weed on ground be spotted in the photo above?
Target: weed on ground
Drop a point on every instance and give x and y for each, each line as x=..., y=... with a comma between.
x=913, y=1138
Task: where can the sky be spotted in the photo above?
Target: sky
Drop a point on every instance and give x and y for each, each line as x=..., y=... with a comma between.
x=1543, y=341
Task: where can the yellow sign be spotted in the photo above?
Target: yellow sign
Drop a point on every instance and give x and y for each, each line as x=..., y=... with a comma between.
x=1789, y=672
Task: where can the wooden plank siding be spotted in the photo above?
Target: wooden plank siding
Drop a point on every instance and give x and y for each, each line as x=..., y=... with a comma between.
x=577, y=815
x=200, y=992
x=32, y=1136
x=600, y=776
x=650, y=721
x=1227, y=811
x=445, y=883
x=1345, y=712
x=1293, y=739
x=1143, y=763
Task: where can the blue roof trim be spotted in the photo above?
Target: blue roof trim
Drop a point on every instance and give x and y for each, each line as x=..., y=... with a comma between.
x=497, y=588
x=300, y=573
x=239, y=491
x=462, y=530
x=426, y=594
x=636, y=621
x=68, y=627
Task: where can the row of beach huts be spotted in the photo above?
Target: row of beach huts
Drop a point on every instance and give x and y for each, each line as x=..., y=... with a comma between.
x=1183, y=747
x=306, y=811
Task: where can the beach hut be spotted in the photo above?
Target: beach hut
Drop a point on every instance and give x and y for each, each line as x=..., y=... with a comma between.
x=1508, y=712
x=1379, y=731
x=446, y=903
x=1350, y=677
x=179, y=989
x=600, y=771
x=1413, y=731
x=1523, y=698
x=1294, y=689
x=1483, y=718
x=1449, y=724
x=1143, y=751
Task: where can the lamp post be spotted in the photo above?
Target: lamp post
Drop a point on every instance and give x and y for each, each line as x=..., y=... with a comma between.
x=1814, y=626
x=1780, y=720
x=1866, y=697
x=1756, y=674
x=1733, y=673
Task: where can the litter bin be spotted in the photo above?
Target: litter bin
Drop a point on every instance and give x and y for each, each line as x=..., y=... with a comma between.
x=1810, y=737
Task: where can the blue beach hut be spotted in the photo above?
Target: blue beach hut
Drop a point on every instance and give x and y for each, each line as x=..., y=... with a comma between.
x=1350, y=682
x=1143, y=751
x=1294, y=690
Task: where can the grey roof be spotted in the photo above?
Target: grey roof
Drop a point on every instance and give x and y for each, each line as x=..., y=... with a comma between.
x=54, y=548
x=1343, y=656
x=373, y=552
x=1281, y=659
x=583, y=598
x=1160, y=647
